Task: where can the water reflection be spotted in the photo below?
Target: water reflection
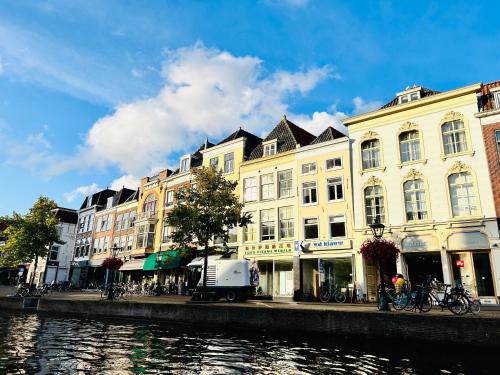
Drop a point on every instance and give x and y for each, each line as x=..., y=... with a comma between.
x=31, y=343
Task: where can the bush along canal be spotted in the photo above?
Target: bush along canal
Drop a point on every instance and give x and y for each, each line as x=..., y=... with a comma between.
x=56, y=344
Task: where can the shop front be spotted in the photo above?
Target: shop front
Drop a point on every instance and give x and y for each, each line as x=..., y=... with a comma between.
x=275, y=268
x=421, y=257
x=79, y=274
x=168, y=269
x=131, y=271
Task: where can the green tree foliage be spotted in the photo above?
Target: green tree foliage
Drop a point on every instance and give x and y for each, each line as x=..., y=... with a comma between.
x=29, y=236
x=206, y=210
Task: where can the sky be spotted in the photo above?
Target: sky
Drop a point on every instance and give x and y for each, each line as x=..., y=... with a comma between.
x=99, y=93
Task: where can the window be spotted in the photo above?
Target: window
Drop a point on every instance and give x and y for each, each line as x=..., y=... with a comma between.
x=463, y=200
x=169, y=200
x=90, y=222
x=123, y=243
x=250, y=231
x=309, y=193
x=145, y=235
x=403, y=99
x=232, y=234
x=99, y=224
x=165, y=232
x=108, y=226
x=87, y=247
x=286, y=222
x=77, y=249
x=415, y=205
x=409, y=146
x=267, y=225
x=250, y=189
x=54, y=252
x=132, y=219
x=101, y=245
x=454, y=139
x=311, y=231
x=270, y=149
x=105, y=247
x=285, y=183
x=497, y=139
x=229, y=162
x=374, y=204
x=118, y=222
x=214, y=162
x=308, y=168
x=150, y=204
x=130, y=242
x=335, y=188
x=126, y=221
x=81, y=225
x=370, y=154
x=95, y=248
x=267, y=186
x=184, y=165
x=103, y=221
x=337, y=226
x=333, y=163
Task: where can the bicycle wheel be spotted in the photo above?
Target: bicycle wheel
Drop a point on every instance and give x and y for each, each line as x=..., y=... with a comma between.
x=425, y=304
x=475, y=306
x=104, y=293
x=401, y=301
x=458, y=305
x=324, y=295
x=340, y=297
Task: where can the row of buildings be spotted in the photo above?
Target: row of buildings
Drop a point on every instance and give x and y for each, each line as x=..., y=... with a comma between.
x=426, y=165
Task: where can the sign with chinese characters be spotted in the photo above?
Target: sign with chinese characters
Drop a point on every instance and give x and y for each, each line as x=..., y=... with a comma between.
x=268, y=249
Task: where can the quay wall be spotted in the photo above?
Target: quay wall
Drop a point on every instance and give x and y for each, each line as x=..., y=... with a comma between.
x=416, y=327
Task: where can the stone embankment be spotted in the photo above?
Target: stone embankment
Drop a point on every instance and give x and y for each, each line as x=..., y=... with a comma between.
x=438, y=328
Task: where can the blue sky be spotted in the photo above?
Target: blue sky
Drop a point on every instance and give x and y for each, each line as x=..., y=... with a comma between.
x=100, y=93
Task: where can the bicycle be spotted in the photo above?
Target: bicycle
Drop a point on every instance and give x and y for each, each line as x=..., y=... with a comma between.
x=329, y=292
x=453, y=299
x=398, y=299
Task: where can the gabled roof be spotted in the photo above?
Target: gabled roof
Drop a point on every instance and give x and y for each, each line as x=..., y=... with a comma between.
x=66, y=215
x=197, y=157
x=98, y=198
x=424, y=92
x=252, y=140
x=133, y=196
x=122, y=196
x=329, y=134
x=288, y=136
x=486, y=101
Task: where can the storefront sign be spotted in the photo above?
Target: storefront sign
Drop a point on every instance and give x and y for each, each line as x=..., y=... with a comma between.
x=468, y=241
x=460, y=263
x=268, y=249
x=330, y=245
x=420, y=243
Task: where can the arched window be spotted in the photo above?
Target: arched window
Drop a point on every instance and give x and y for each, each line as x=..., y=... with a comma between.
x=150, y=203
x=415, y=204
x=370, y=153
x=462, y=196
x=409, y=146
x=374, y=204
x=454, y=137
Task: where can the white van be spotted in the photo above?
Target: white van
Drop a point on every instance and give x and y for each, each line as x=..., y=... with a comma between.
x=226, y=278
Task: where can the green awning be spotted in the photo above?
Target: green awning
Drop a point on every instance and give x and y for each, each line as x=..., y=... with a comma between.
x=170, y=259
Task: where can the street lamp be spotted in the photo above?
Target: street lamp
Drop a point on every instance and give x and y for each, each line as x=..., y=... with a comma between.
x=114, y=252
x=378, y=231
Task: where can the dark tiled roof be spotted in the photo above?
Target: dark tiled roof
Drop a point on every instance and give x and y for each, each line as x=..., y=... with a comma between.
x=328, y=135
x=197, y=157
x=122, y=196
x=252, y=140
x=133, y=196
x=423, y=93
x=486, y=101
x=98, y=198
x=288, y=136
x=66, y=215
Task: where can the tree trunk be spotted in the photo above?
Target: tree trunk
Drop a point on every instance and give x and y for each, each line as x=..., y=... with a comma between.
x=32, y=278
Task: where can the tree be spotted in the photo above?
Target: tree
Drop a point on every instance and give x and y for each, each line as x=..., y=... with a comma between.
x=30, y=236
x=205, y=211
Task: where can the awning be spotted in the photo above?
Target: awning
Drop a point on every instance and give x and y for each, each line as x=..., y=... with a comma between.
x=132, y=265
x=198, y=262
x=96, y=262
x=80, y=264
x=170, y=259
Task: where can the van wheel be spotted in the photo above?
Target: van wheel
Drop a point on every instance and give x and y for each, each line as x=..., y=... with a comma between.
x=231, y=296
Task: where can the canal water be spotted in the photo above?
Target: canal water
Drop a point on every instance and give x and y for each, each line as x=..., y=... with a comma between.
x=48, y=344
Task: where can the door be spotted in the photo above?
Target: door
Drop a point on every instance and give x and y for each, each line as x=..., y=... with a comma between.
x=286, y=283
x=483, y=274
x=463, y=271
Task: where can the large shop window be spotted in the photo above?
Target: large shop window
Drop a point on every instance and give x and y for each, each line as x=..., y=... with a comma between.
x=335, y=189
x=463, y=199
x=454, y=138
x=250, y=189
x=311, y=229
x=374, y=204
x=309, y=193
x=415, y=205
x=285, y=183
x=409, y=146
x=267, y=186
x=370, y=154
x=267, y=225
x=286, y=222
x=337, y=226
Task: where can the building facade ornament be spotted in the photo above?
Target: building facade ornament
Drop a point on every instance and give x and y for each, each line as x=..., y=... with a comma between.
x=413, y=174
x=459, y=167
x=373, y=181
x=369, y=135
x=452, y=116
x=407, y=126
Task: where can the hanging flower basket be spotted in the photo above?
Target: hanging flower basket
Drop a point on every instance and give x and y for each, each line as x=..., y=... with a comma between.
x=112, y=263
x=379, y=250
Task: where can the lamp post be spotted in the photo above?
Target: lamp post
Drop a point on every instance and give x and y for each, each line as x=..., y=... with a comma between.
x=114, y=252
x=378, y=232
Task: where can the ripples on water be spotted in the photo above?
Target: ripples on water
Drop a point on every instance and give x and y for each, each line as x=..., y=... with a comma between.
x=31, y=343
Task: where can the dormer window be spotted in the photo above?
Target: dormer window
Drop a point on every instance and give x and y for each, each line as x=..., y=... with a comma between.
x=409, y=95
x=184, y=164
x=270, y=148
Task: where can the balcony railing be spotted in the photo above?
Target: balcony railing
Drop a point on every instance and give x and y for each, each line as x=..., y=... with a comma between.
x=147, y=215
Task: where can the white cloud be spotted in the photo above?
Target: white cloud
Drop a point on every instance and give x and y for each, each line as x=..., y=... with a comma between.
x=127, y=181
x=81, y=191
x=362, y=106
x=319, y=121
x=207, y=92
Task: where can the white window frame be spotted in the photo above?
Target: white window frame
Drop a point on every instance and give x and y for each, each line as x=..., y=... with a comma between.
x=309, y=188
x=250, y=228
x=334, y=167
x=169, y=198
x=410, y=145
x=270, y=149
x=290, y=181
x=229, y=162
x=216, y=164
x=184, y=166
x=253, y=189
x=413, y=202
x=304, y=227
x=308, y=168
x=329, y=183
x=290, y=227
x=472, y=201
x=374, y=153
x=453, y=133
x=272, y=214
x=330, y=217
x=165, y=233
x=373, y=206
x=268, y=188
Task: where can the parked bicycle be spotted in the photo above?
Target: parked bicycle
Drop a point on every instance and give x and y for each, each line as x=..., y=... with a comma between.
x=329, y=292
